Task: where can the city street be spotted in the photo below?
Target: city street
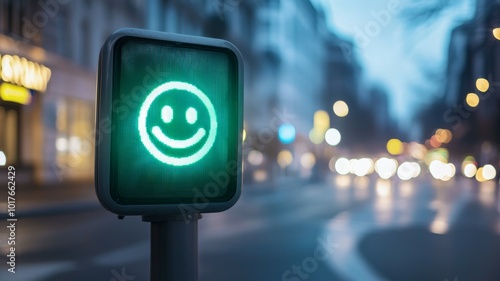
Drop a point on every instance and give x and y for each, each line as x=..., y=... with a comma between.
x=361, y=135
x=342, y=228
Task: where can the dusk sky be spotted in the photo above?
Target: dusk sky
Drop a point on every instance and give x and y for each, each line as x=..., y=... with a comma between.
x=397, y=53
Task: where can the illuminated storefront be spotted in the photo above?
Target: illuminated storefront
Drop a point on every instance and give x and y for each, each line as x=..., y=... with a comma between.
x=20, y=79
x=46, y=115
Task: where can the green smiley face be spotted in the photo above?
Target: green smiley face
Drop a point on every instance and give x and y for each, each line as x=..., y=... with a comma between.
x=177, y=123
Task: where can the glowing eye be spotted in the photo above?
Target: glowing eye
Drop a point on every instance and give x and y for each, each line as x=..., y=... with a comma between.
x=191, y=115
x=167, y=114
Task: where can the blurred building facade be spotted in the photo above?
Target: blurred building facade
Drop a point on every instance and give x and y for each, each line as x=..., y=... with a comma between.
x=53, y=132
x=285, y=44
x=474, y=53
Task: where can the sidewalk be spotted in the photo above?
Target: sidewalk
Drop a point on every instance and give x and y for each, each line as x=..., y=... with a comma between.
x=50, y=199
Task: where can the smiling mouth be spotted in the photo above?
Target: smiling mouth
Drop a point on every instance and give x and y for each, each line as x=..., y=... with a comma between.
x=179, y=144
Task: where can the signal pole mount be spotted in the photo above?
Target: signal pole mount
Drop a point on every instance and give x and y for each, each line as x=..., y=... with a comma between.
x=169, y=116
x=174, y=247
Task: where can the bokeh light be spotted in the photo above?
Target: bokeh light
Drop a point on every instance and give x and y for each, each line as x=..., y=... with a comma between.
x=316, y=136
x=472, y=99
x=286, y=133
x=343, y=166
x=308, y=160
x=255, y=157
x=405, y=171
x=436, y=169
x=469, y=166
x=408, y=170
x=61, y=144
x=417, y=150
x=331, y=164
x=332, y=137
x=440, y=154
x=395, y=147
x=416, y=169
x=340, y=108
x=434, y=141
x=3, y=158
x=439, y=226
x=479, y=175
x=482, y=84
x=489, y=172
x=285, y=158
x=352, y=163
x=321, y=121
x=442, y=171
x=496, y=33
x=386, y=167
x=362, y=167
x=469, y=170
x=260, y=175
x=443, y=135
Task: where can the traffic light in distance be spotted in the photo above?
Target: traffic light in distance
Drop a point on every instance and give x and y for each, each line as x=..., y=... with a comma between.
x=169, y=124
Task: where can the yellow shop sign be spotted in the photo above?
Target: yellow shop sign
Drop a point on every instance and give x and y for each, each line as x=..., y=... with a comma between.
x=14, y=93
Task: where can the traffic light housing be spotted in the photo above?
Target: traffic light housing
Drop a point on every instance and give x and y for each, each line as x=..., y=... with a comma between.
x=169, y=118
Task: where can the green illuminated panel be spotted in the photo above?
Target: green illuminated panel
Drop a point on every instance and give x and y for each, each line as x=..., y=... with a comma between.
x=175, y=123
